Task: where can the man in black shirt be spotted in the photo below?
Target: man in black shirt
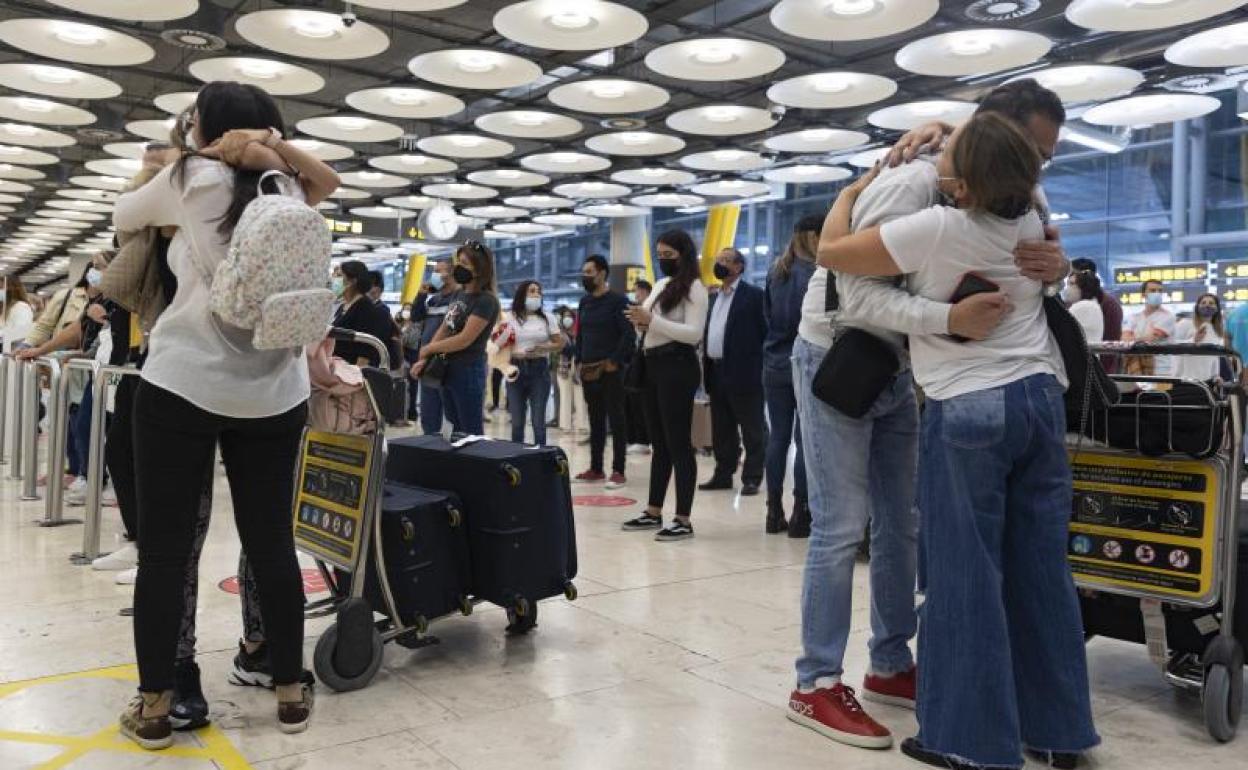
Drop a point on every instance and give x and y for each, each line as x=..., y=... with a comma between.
x=604, y=347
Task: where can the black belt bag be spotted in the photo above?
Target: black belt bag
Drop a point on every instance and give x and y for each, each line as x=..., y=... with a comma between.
x=671, y=349
x=858, y=368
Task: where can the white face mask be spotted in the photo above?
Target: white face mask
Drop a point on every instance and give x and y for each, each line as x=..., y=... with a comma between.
x=1153, y=299
x=533, y=304
x=567, y=322
x=94, y=276
x=1071, y=294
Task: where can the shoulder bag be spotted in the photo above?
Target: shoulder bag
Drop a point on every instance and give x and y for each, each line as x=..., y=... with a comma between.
x=857, y=368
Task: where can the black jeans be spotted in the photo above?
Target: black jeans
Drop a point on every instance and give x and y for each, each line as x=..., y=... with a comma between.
x=671, y=382
x=605, y=399
x=736, y=418
x=635, y=414
x=119, y=455
x=173, y=439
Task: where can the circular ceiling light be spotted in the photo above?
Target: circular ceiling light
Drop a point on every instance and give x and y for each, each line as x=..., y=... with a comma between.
x=903, y=117
x=404, y=102
x=523, y=228
x=156, y=130
x=528, y=124
x=275, y=77
x=1219, y=47
x=74, y=42
x=609, y=97
x=721, y=120
x=460, y=191
x=508, y=177
x=107, y=182
x=382, y=212
x=1137, y=15
x=61, y=82
x=817, y=140
x=28, y=109
x=132, y=10
x=177, y=102
x=8, y=186
x=468, y=146
x=570, y=25
x=539, y=202
x=373, y=180
x=88, y=195
x=349, y=194
x=25, y=157
x=79, y=216
x=410, y=6
x=668, y=200
x=414, y=202
x=322, y=150
x=868, y=158
x=474, y=69
x=727, y=159
x=739, y=188
x=1150, y=109
x=651, y=176
x=132, y=150
x=33, y=136
x=850, y=19
x=9, y=171
x=807, y=174
x=565, y=163
x=715, y=59
x=311, y=34
x=350, y=128
x=1075, y=83
x=413, y=165
x=495, y=212
x=990, y=11
x=564, y=220
x=80, y=205
x=832, y=90
x=594, y=190
x=635, y=143
x=973, y=52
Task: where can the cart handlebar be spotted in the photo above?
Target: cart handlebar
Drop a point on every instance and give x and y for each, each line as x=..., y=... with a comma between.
x=339, y=334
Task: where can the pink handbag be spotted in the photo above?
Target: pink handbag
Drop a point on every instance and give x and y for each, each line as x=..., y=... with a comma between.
x=338, y=403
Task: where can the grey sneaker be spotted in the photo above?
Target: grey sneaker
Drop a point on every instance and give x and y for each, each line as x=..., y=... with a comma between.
x=150, y=732
x=677, y=530
x=293, y=717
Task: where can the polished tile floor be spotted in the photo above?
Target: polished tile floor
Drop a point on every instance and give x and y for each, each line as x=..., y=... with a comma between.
x=675, y=656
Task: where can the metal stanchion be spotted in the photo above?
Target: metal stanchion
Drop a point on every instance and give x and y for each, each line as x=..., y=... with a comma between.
x=95, y=462
x=4, y=405
x=15, y=419
x=30, y=434
x=58, y=424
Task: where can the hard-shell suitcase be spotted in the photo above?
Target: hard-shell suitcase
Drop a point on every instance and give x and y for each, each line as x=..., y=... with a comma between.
x=518, y=506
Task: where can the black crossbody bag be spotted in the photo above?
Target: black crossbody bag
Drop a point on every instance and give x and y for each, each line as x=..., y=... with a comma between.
x=858, y=368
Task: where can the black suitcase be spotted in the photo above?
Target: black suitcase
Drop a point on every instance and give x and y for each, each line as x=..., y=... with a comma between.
x=425, y=547
x=518, y=505
x=1195, y=427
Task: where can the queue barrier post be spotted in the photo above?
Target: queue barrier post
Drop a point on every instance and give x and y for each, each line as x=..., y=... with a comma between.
x=58, y=425
x=95, y=460
x=17, y=374
x=30, y=433
x=4, y=405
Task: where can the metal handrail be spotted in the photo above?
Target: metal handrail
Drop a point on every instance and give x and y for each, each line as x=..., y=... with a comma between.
x=30, y=425
x=58, y=426
x=15, y=419
x=4, y=404
x=102, y=375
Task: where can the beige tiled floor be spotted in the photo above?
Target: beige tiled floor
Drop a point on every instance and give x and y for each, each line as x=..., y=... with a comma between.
x=675, y=655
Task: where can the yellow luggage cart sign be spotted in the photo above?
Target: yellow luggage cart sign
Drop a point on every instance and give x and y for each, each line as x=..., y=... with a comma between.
x=333, y=490
x=1145, y=527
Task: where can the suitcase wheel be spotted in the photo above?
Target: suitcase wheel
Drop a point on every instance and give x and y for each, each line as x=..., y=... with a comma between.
x=521, y=618
x=454, y=515
x=465, y=605
x=512, y=473
x=569, y=591
x=327, y=668
x=409, y=531
x=561, y=464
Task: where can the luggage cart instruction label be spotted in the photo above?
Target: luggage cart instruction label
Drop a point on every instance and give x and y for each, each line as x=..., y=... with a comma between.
x=333, y=486
x=1144, y=526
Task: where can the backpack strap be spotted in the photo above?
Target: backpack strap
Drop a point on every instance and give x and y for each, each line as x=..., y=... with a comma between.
x=280, y=184
x=831, y=301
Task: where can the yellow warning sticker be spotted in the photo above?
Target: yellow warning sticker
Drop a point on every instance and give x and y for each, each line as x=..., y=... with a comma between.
x=333, y=490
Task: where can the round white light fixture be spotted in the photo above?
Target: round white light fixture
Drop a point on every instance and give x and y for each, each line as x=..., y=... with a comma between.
x=523, y=228
x=739, y=188
x=903, y=117
x=1075, y=83
x=311, y=34
x=635, y=143
x=495, y=212
x=107, y=182
x=570, y=25
x=508, y=177
x=382, y=212
x=175, y=103
x=23, y=156
x=156, y=130
x=727, y=159
x=373, y=180
x=33, y=136
x=652, y=176
x=132, y=10
x=349, y=194
x=850, y=19
x=474, y=68
x=350, y=128
x=132, y=150
x=410, y=6
x=817, y=140
x=1137, y=15
x=9, y=186
x=460, y=191
x=609, y=97
x=10, y=171
x=415, y=202
x=87, y=195
x=74, y=42
x=322, y=150
x=61, y=82
x=28, y=109
x=467, y=146
x=276, y=77
x=715, y=59
x=868, y=158
x=668, y=200
x=564, y=220
x=1151, y=109
x=721, y=120
x=413, y=165
x=405, y=102
x=539, y=202
x=78, y=216
x=593, y=190
x=1225, y=46
x=977, y=51
x=528, y=124
x=78, y=205
x=565, y=163
x=832, y=90
x=807, y=174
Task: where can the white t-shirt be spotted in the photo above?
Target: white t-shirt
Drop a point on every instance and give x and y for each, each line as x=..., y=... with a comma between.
x=17, y=324
x=685, y=323
x=1088, y=313
x=1197, y=367
x=1144, y=326
x=937, y=247
x=535, y=331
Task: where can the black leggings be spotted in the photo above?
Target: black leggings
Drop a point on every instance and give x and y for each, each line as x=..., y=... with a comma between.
x=119, y=455
x=671, y=383
x=173, y=439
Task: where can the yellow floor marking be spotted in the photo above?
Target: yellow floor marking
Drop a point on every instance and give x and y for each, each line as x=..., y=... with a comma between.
x=215, y=746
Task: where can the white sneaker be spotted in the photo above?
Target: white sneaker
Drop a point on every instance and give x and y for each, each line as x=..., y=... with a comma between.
x=125, y=557
x=127, y=578
x=108, y=498
x=638, y=449
x=76, y=494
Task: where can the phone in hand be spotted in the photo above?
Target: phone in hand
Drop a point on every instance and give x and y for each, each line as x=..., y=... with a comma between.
x=970, y=285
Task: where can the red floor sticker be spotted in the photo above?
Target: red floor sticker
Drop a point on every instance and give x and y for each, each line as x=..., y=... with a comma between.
x=604, y=501
x=313, y=583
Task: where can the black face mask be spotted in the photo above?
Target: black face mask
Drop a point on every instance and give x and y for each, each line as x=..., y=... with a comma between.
x=462, y=275
x=590, y=283
x=669, y=267
x=722, y=272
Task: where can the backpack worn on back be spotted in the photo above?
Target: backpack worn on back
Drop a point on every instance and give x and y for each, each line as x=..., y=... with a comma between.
x=274, y=277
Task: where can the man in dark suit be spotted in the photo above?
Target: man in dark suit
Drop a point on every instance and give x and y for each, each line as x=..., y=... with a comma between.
x=733, y=363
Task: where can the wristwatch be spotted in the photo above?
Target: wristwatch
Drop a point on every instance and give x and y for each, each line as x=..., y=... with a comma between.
x=273, y=138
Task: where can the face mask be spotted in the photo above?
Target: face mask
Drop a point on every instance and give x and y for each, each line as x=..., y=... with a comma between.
x=668, y=267
x=191, y=144
x=722, y=272
x=337, y=283
x=435, y=280
x=590, y=283
x=532, y=304
x=568, y=321
x=1071, y=294
x=1153, y=298
x=94, y=276
x=463, y=276
x=1206, y=311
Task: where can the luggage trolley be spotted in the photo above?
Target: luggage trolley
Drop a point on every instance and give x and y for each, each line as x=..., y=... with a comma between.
x=1155, y=526
x=337, y=521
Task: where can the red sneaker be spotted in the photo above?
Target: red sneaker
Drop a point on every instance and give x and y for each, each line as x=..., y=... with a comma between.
x=837, y=714
x=591, y=476
x=616, y=481
x=895, y=690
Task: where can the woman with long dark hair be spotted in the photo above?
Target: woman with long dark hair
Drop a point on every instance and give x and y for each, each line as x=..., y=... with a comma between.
x=1205, y=327
x=359, y=314
x=204, y=385
x=672, y=321
x=537, y=336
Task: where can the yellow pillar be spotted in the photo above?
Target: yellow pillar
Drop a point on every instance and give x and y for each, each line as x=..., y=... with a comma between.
x=721, y=233
x=415, y=276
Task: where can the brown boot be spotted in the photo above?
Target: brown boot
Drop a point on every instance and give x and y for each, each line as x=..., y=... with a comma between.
x=775, y=517
x=146, y=720
x=799, y=525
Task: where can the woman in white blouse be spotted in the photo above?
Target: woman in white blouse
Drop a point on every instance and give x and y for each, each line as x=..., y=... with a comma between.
x=1205, y=327
x=19, y=316
x=671, y=322
x=537, y=336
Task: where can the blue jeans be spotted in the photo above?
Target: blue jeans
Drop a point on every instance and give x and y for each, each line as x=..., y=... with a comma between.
x=529, y=394
x=430, y=409
x=463, y=396
x=786, y=428
x=865, y=473
x=1001, y=651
